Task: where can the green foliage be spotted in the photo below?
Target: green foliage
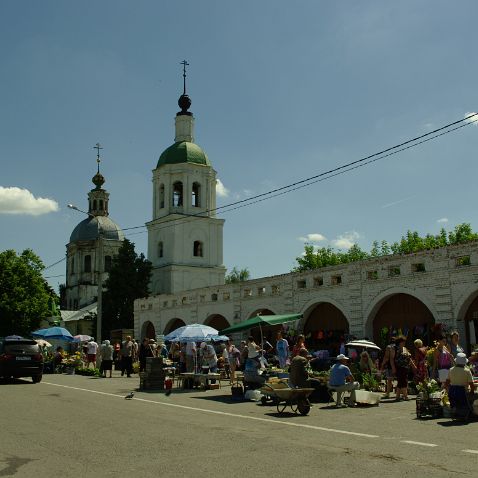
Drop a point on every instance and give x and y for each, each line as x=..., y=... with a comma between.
x=24, y=294
x=128, y=280
x=237, y=275
x=411, y=242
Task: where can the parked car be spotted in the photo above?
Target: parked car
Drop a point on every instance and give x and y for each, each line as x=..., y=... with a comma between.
x=20, y=357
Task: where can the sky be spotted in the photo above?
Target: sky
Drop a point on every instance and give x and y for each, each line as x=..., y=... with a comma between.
x=281, y=91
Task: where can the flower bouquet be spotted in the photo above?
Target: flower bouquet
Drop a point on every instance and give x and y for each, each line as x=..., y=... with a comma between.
x=428, y=388
x=73, y=361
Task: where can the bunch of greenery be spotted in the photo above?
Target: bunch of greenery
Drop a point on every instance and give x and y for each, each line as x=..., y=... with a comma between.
x=25, y=296
x=128, y=280
x=91, y=372
x=427, y=387
x=315, y=258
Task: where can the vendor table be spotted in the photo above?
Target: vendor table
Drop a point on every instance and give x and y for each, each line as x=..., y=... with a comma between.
x=198, y=378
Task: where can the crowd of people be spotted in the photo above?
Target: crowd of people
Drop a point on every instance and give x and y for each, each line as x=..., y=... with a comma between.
x=446, y=362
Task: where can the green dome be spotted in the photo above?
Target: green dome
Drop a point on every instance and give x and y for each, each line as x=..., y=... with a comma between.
x=183, y=152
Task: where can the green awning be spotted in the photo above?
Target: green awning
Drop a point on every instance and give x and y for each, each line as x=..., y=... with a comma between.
x=261, y=321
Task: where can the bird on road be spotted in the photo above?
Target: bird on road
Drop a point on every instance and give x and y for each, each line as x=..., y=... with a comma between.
x=129, y=396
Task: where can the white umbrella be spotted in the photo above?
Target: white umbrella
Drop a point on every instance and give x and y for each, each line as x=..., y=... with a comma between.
x=82, y=338
x=191, y=333
x=365, y=344
x=43, y=343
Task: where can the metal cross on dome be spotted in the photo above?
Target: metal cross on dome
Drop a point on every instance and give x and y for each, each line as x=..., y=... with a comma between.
x=185, y=64
x=98, y=147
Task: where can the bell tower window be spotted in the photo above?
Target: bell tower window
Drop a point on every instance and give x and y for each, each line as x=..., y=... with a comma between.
x=177, y=194
x=108, y=263
x=101, y=204
x=160, y=249
x=87, y=264
x=196, y=195
x=198, y=249
x=94, y=205
x=161, y=196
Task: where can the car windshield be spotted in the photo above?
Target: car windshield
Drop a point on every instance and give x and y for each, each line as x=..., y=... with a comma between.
x=26, y=346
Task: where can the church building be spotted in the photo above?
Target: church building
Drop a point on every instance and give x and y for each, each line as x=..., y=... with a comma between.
x=417, y=294
x=93, y=244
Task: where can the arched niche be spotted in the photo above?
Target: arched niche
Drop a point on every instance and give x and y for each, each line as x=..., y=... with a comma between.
x=173, y=324
x=148, y=331
x=217, y=321
x=402, y=314
x=325, y=327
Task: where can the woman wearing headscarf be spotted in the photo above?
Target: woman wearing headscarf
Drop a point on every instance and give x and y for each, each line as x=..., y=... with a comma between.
x=403, y=362
x=420, y=359
x=106, y=352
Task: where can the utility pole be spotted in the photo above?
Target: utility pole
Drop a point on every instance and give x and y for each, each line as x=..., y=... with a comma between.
x=99, y=303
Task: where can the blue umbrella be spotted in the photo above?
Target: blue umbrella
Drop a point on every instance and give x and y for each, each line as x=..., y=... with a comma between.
x=54, y=333
x=218, y=338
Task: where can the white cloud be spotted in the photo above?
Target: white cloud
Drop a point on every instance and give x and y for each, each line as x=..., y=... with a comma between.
x=346, y=240
x=473, y=119
x=316, y=237
x=221, y=190
x=443, y=220
x=21, y=201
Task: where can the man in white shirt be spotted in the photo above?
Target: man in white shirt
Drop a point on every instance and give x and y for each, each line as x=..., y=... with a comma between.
x=92, y=349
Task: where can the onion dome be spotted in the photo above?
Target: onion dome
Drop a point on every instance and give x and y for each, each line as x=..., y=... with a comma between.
x=183, y=152
x=90, y=228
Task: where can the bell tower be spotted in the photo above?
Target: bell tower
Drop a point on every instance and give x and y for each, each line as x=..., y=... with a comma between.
x=185, y=238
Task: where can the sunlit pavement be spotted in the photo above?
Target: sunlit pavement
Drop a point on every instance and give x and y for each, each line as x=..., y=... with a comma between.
x=71, y=424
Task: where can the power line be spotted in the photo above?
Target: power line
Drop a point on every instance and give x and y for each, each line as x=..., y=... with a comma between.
x=411, y=143
x=55, y=263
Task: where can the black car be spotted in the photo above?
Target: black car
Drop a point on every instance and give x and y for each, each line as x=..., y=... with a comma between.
x=20, y=358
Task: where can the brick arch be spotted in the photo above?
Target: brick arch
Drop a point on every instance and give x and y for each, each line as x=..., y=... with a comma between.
x=402, y=313
x=467, y=317
x=217, y=321
x=378, y=300
x=324, y=327
x=311, y=305
x=148, y=330
x=172, y=325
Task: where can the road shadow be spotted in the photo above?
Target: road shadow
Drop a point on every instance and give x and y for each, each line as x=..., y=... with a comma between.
x=227, y=399
x=15, y=381
x=455, y=423
x=285, y=414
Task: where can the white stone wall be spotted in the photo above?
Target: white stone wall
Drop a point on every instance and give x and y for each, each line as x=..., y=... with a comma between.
x=445, y=287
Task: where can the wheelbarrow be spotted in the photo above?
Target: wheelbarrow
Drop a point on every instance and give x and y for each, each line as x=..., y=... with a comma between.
x=286, y=396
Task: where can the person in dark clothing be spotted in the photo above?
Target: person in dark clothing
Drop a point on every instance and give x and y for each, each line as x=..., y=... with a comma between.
x=298, y=374
x=145, y=351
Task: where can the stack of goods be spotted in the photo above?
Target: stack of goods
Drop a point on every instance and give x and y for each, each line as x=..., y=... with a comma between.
x=153, y=376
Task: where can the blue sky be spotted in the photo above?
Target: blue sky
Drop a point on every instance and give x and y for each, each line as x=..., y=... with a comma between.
x=280, y=90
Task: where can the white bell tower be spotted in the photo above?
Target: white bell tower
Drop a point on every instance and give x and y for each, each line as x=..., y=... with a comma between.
x=185, y=239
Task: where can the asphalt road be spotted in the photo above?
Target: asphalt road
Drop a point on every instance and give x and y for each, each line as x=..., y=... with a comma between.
x=81, y=426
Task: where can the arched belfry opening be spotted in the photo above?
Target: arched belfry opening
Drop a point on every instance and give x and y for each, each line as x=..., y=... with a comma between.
x=196, y=195
x=177, y=194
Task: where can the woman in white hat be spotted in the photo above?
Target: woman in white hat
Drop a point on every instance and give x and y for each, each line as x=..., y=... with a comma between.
x=460, y=383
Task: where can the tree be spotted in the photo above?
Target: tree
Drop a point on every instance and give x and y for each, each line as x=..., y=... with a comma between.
x=24, y=293
x=128, y=280
x=237, y=275
x=408, y=244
